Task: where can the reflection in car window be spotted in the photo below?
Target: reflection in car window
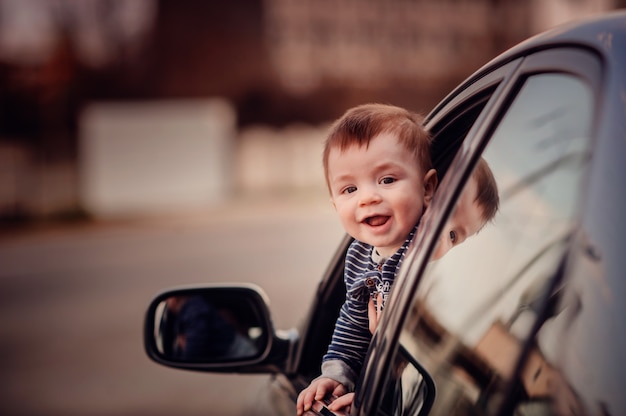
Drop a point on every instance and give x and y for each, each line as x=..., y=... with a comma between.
x=410, y=389
x=477, y=304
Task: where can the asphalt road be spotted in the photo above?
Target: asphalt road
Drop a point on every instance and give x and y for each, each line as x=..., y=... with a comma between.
x=72, y=302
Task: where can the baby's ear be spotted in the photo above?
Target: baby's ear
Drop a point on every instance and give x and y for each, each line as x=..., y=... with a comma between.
x=430, y=185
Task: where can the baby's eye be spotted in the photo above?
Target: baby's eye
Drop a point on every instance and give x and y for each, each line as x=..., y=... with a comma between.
x=348, y=189
x=387, y=180
x=453, y=236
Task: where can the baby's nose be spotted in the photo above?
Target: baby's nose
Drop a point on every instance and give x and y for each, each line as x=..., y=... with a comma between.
x=370, y=196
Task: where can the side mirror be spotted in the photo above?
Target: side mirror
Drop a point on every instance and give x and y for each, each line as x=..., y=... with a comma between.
x=212, y=328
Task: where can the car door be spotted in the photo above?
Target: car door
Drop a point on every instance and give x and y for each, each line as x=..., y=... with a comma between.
x=458, y=335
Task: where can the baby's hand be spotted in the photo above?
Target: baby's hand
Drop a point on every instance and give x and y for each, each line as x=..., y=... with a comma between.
x=317, y=390
x=342, y=403
x=374, y=311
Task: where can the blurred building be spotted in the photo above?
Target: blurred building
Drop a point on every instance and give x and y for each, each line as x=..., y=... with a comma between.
x=277, y=62
x=371, y=44
x=374, y=44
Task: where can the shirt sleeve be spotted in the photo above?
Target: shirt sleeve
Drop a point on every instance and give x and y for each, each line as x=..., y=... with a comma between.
x=351, y=337
x=341, y=372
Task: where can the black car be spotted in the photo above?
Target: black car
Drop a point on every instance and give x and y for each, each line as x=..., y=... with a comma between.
x=528, y=316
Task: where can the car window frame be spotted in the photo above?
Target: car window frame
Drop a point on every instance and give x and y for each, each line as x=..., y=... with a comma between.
x=578, y=61
x=371, y=384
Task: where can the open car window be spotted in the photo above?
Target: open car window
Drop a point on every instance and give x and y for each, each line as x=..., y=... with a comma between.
x=450, y=125
x=448, y=133
x=477, y=305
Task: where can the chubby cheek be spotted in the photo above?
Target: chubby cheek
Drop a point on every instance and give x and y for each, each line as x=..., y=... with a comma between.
x=408, y=211
x=346, y=216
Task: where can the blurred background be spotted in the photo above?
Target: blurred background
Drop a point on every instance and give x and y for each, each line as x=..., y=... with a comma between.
x=151, y=143
x=102, y=99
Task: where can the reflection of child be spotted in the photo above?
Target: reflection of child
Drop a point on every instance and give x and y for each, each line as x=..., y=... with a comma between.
x=380, y=177
x=477, y=206
x=379, y=174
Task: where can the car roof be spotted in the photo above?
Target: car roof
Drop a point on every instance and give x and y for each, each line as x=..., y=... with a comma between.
x=604, y=33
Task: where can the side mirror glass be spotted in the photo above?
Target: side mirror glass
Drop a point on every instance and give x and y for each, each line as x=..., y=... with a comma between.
x=208, y=326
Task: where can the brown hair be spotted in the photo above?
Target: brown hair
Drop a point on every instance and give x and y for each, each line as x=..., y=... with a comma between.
x=360, y=124
x=487, y=190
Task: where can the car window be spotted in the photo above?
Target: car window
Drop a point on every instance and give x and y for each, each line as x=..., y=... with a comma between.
x=449, y=133
x=477, y=304
x=451, y=121
x=449, y=126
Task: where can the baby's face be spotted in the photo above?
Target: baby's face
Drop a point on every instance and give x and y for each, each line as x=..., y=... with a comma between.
x=378, y=191
x=466, y=220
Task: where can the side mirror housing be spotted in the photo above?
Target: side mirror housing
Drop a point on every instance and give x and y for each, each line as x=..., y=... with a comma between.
x=215, y=328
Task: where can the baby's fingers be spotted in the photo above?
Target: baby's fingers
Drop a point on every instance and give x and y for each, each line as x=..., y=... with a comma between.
x=339, y=390
x=305, y=400
x=341, y=402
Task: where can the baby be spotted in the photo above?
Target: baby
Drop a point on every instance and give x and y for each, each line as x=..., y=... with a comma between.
x=380, y=178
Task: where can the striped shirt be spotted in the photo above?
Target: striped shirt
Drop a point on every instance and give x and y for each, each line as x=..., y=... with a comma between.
x=365, y=275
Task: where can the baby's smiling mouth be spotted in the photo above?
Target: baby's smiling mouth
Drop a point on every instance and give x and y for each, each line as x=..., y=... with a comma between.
x=376, y=220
